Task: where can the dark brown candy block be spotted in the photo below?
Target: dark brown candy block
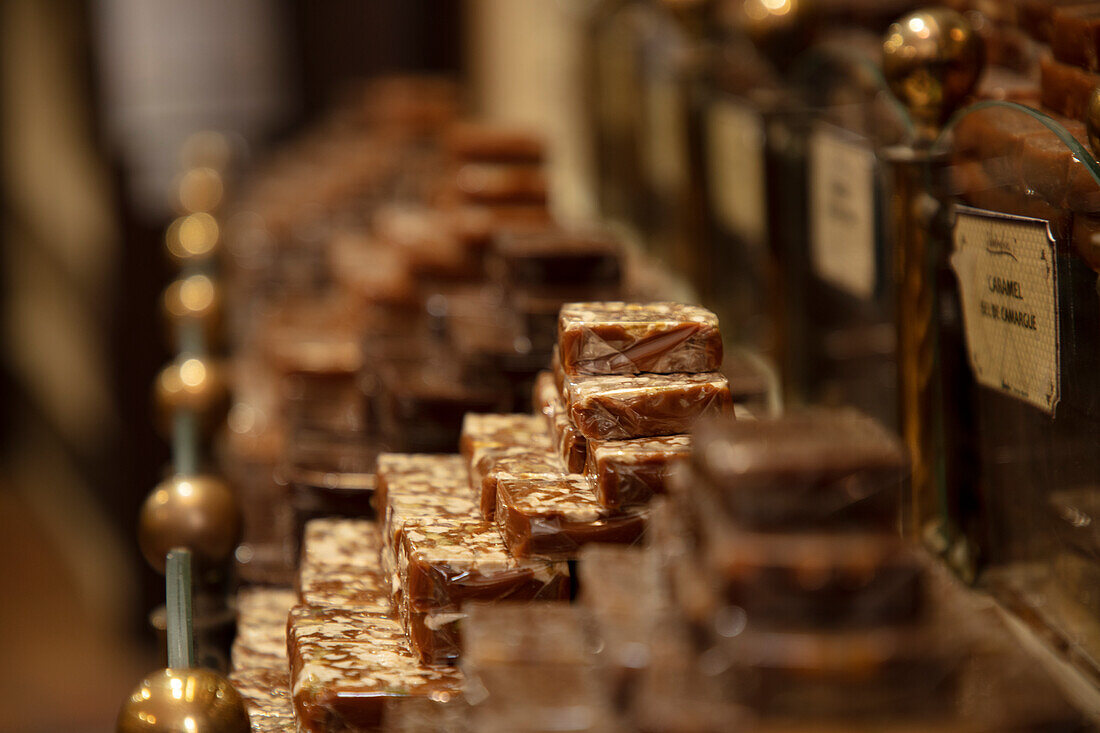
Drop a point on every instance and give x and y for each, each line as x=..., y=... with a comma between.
x=493, y=143
x=1037, y=17
x=619, y=407
x=1075, y=35
x=554, y=516
x=424, y=238
x=443, y=563
x=817, y=468
x=883, y=673
x=261, y=628
x=630, y=472
x=558, y=259
x=815, y=580
x=422, y=405
x=629, y=338
x=370, y=271
x=1065, y=88
x=420, y=487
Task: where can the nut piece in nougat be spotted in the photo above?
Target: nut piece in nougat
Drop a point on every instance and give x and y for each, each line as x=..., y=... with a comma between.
x=444, y=562
x=488, y=463
x=265, y=690
x=620, y=407
x=428, y=468
x=347, y=686
x=483, y=430
x=629, y=338
x=813, y=469
x=345, y=585
x=631, y=472
x=340, y=541
x=554, y=516
x=309, y=628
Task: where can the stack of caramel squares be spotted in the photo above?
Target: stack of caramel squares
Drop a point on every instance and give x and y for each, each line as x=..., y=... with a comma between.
x=439, y=553
x=628, y=382
x=799, y=580
x=350, y=663
x=258, y=665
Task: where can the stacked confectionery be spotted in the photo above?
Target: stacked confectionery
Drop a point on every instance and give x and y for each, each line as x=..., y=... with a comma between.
x=381, y=605
x=390, y=272
x=801, y=582
x=786, y=566
x=410, y=301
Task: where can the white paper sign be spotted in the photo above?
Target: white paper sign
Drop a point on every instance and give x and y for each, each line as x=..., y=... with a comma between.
x=1008, y=289
x=735, y=167
x=842, y=211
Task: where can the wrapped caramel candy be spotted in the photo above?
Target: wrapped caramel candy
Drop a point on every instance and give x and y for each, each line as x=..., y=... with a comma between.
x=629, y=338
x=554, y=516
x=631, y=472
x=618, y=407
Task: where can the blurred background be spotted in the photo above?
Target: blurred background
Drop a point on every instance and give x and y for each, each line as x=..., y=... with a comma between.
x=744, y=145
x=96, y=102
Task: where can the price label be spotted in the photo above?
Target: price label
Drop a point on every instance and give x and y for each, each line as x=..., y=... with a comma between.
x=735, y=167
x=842, y=211
x=1008, y=288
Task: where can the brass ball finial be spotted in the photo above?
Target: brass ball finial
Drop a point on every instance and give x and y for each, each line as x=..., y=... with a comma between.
x=199, y=513
x=1092, y=120
x=179, y=700
x=191, y=383
x=932, y=59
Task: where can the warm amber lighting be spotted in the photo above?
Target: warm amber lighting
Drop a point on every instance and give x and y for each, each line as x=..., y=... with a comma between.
x=197, y=293
x=194, y=235
x=192, y=372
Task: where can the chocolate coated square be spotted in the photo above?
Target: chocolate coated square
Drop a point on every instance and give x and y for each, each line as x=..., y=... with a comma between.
x=817, y=468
